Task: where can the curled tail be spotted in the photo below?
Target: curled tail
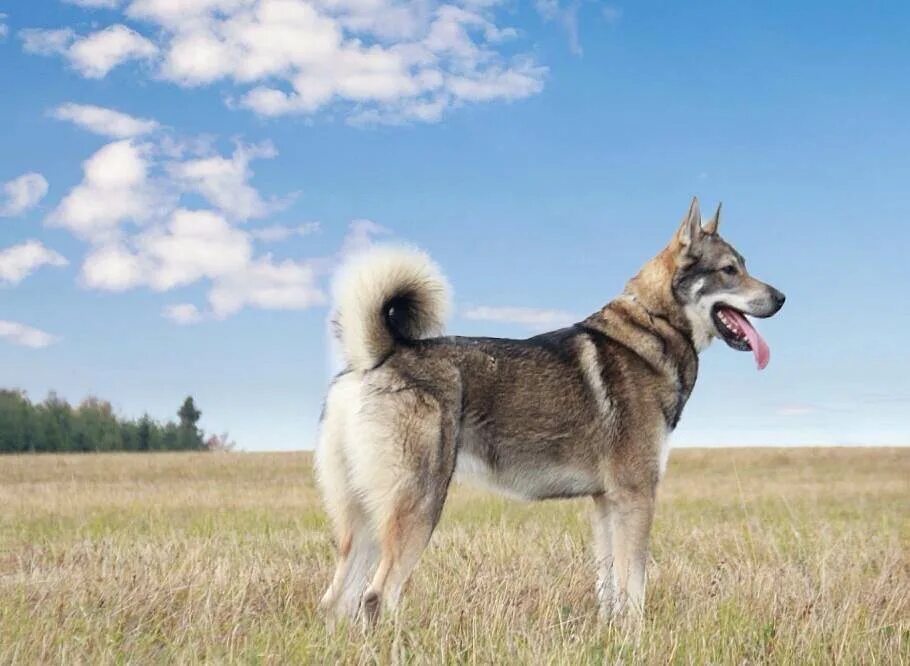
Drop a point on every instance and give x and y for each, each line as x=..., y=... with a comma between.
x=386, y=296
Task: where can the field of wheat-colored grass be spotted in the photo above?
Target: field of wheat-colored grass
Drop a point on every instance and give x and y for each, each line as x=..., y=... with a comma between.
x=776, y=556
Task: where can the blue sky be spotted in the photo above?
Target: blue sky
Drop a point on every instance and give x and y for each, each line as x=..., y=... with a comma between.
x=177, y=181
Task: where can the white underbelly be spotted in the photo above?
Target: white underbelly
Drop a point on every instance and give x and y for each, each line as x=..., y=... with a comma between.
x=526, y=481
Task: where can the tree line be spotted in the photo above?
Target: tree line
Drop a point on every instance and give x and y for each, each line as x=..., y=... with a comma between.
x=55, y=425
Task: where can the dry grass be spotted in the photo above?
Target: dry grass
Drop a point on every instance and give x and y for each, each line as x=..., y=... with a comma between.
x=783, y=556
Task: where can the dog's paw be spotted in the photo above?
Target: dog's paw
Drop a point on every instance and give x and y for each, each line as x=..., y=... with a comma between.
x=370, y=608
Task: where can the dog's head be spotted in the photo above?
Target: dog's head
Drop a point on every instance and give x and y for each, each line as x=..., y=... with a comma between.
x=715, y=291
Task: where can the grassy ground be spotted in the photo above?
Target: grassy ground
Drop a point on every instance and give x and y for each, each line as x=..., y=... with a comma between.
x=783, y=556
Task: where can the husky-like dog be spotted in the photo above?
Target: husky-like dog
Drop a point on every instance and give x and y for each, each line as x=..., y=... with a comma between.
x=585, y=410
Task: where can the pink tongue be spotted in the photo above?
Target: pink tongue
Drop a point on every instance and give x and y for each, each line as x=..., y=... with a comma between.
x=759, y=347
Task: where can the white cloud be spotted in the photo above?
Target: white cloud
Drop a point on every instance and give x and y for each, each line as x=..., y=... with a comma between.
x=360, y=236
x=276, y=232
x=141, y=182
x=20, y=194
x=25, y=336
x=267, y=284
x=183, y=314
x=112, y=268
x=521, y=80
x=202, y=245
x=379, y=60
x=106, y=122
x=94, y=55
x=19, y=261
x=97, y=54
x=131, y=208
x=115, y=188
x=4, y=29
x=46, y=42
x=534, y=318
x=223, y=181
x=196, y=244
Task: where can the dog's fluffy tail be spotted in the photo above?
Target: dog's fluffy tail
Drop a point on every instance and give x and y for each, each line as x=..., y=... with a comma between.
x=384, y=297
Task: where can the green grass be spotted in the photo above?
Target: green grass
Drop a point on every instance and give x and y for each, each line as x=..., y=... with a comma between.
x=776, y=556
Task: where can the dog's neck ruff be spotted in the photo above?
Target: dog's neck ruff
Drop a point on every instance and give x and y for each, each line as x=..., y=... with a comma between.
x=657, y=341
x=685, y=334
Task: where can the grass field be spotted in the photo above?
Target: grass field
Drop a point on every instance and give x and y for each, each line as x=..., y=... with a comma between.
x=781, y=556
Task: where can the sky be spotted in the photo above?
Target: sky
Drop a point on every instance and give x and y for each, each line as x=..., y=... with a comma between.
x=178, y=181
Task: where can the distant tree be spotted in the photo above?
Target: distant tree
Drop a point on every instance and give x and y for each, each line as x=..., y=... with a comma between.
x=189, y=435
x=95, y=428
x=17, y=422
x=189, y=415
x=55, y=421
x=144, y=434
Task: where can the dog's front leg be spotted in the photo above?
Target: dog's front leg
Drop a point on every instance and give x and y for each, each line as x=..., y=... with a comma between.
x=604, y=591
x=631, y=521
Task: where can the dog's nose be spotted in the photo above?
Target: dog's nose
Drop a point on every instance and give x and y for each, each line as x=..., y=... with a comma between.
x=778, y=297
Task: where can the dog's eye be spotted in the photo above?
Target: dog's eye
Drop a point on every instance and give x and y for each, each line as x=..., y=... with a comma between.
x=730, y=270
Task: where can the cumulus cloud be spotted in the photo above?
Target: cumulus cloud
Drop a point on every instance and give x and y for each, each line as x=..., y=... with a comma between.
x=115, y=188
x=195, y=244
x=19, y=261
x=25, y=336
x=360, y=236
x=533, y=318
x=97, y=54
x=103, y=121
x=46, y=42
x=93, y=55
x=202, y=245
x=113, y=267
x=380, y=61
x=4, y=29
x=182, y=313
x=268, y=284
x=277, y=232
x=20, y=194
x=223, y=180
x=140, y=182
x=161, y=212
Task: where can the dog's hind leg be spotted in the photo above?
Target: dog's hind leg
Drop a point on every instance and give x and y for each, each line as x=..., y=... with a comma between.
x=358, y=553
x=403, y=539
x=357, y=548
x=411, y=510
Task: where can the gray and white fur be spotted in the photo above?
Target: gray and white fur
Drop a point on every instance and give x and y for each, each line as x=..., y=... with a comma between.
x=581, y=411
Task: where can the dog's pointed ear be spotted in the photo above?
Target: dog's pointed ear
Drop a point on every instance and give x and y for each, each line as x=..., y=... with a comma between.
x=711, y=227
x=690, y=230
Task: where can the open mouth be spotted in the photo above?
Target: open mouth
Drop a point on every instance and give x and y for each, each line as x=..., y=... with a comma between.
x=739, y=333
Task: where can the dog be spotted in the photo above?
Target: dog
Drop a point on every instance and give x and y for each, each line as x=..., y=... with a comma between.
x=582, y=411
